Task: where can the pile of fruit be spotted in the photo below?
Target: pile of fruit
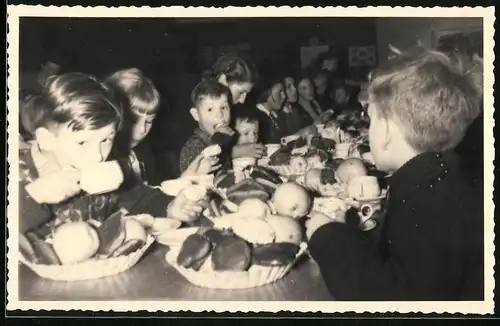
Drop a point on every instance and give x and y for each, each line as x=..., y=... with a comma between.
x=257, y=234
x=77, y=242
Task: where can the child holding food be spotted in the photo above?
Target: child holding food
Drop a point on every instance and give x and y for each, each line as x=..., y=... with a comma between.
x=212, y=112
x=141, y=101
x=65, y=175
x=431, y=246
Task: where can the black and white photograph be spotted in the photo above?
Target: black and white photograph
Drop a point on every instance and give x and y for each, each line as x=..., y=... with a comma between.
x=251, y=159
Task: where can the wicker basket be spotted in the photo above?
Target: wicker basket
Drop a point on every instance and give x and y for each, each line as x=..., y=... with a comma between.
x=89, y=269
x=255, y=276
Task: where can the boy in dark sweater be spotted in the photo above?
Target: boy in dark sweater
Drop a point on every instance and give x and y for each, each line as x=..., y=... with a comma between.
x=76, y=130
x=431, y=245
x=212, y=112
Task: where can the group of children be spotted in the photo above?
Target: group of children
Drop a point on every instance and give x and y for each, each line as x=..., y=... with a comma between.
x=419, y=104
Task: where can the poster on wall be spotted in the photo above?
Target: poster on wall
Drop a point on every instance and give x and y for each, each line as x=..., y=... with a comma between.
x=309, y=53
x=362, y=56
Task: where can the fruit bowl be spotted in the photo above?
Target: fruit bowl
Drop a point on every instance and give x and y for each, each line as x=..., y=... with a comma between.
x=227, y=280
x=90, y=269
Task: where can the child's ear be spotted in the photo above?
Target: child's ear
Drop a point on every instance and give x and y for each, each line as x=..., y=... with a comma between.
x=222, y=79
x=194, y=114
x=45, y=139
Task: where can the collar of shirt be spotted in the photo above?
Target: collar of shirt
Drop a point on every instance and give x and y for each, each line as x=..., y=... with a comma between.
x=203, y=135
x=269, y=113
x=422, y=171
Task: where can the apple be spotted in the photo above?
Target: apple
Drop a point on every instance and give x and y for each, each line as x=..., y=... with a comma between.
x=286, y=229
x=253, y=207
x=74, y=242
x=292, y=200
x=349, y=168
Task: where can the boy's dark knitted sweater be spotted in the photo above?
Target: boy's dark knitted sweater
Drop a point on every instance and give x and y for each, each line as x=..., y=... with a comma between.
x=137, y=199
x=431, y=246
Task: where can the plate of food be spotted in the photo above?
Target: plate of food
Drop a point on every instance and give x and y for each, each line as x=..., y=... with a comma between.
x=83, y=250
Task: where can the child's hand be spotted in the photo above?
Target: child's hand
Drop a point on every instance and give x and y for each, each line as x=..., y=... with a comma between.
x=249, y=150
x=315, y=221
x=56, y=187
x=183, y=209
x=202, y=165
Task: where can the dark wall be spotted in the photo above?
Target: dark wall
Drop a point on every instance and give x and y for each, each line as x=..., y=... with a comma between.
x=167, y=50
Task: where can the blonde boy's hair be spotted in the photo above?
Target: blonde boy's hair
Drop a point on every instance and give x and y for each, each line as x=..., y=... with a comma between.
x=429, y=95
x=136, y=90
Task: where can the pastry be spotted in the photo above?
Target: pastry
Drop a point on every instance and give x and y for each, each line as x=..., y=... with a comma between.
x=274, y=254
x=232, y=254
x=194, y=248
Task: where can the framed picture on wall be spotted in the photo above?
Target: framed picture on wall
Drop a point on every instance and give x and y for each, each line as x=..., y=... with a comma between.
x=468, y=41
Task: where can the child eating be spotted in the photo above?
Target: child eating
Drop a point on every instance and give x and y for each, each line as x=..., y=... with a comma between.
x=420, y=106
x=76, y=131
x=247, y=129
x=211, y=111
x=140, y=102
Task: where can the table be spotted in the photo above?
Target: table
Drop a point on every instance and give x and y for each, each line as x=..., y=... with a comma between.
x=153, y=279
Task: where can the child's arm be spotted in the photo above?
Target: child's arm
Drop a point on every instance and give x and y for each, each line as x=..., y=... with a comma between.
x=31, y=213
x=353, y=268
x=190, y=151
x=142, y=199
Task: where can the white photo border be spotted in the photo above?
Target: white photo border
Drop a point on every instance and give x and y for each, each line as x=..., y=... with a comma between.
x=14, y=13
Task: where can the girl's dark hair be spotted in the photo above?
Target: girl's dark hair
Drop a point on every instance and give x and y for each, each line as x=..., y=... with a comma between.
x=79, y=100
x=266, y=84
x=234, y=67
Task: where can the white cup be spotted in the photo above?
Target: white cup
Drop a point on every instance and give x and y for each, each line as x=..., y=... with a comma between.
x=242, y=162
x=101, y=177
x=272, y=148
x=363, y=187
x=287, y=139
x=342, y=150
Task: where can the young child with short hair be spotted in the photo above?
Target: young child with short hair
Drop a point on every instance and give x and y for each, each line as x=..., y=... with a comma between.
x=141, y=102
x=431, y=246
x=211, y=110
x=247, y=129
x=76, y=129
x=272, y=125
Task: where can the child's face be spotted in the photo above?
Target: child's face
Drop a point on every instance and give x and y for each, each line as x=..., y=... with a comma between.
x=141, y=127
x=278, y=96
x=290, y=90
x=320, y=81
x=211, y=112
x=239, y=92
x=377, y=138
x=341, y=96
x=306, y=89
x=77, y=149
x=248, y=132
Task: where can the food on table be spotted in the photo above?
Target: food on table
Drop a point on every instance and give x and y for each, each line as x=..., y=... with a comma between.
x=27, y=250
x=298, y=164
x=128, y=247
x=74, y=242
x=134, y=231
x=111, y=233
x=349, y=168
x=285, y=229
x=255, y=231
x=232, y=254
x=44, y=251
x=194, y=249
x=274, y=254
x=363, y=187
x=212, y=150
x=145, y=220
x=279, y=158
x=215, y=236
x=292, y=200
x=247, y=188
x=259, y=172
x=254, y=208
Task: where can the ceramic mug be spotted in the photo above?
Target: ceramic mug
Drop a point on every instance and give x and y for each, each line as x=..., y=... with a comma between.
x=366, y=213
x=363, y=187
x=242, y=162
x=101, y=177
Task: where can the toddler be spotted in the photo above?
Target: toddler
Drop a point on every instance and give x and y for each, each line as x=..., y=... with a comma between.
x=431, y=245
x=76, y=129
x=212, y=113
x=247, y=128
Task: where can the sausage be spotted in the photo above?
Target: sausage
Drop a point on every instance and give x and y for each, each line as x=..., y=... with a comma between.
x=43, y=250
x=111, y=233
x=27, y=249
x=127, y=248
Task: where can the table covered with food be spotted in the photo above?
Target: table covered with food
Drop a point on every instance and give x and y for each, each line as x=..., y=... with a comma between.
x=250, y=243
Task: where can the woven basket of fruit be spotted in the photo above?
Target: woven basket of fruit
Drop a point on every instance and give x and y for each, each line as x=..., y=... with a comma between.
x=82, y=251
